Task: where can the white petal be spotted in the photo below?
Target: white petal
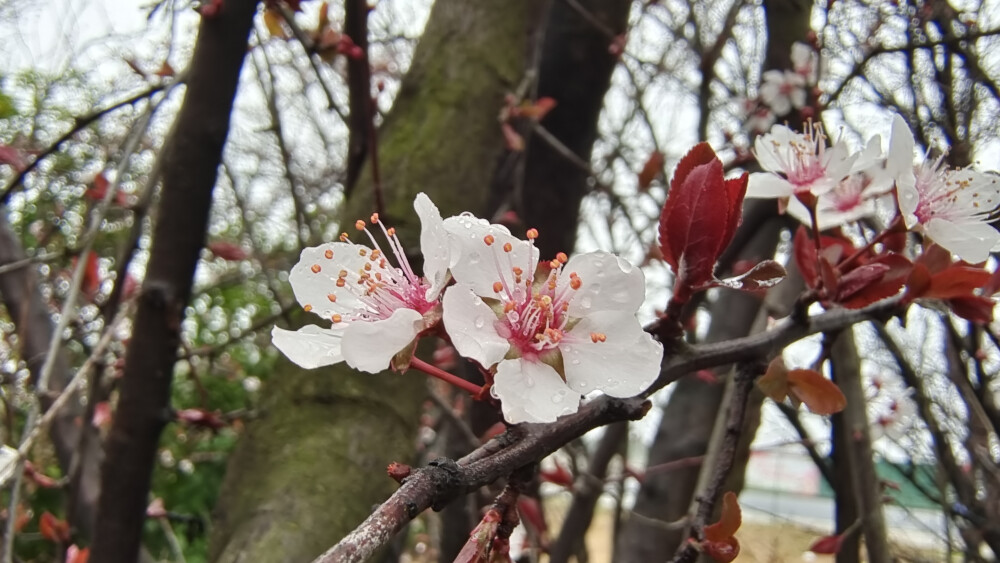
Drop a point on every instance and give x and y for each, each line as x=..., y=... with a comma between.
x=971, y=241
x=471, y=324
x=766, y=185
x=370, y=346
x=532, y=392
x=434, y=244
x=625, y=364
x=609, y=283
x=311, y=346
x=313, y=288
x=767, y=146
x=479, y=265
x=899, y=161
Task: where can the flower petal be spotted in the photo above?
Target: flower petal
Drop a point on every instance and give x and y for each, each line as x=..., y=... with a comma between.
x=532, y=392
x=479, y=265
x=624, y=365
x=311, y=346
x=370, y=346
x=471, y=324
x=765, y=185
x=971, y=241
x=434, y=244
x=609, y=283
x=314, y=278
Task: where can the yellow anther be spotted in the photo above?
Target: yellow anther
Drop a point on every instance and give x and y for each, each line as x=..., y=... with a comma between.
x=532, y=234
x=341, y=282
x=375, y=254
x=362, y=251
x=507, y=247
x=331, y=297
x=508, y=306
x=328, y=254
x=307, y=308
x=598, y=337
x=374, y=218
x=391, y=231
x=562, y=258
x=554, y=264
x=497, y=287
x=517, y=271
x=336, y=318
x=342, y=274
x=575, y=283
x=489, y=240
x=368, y=267
x=315, y=268
x=359, y=225
x=344, y=237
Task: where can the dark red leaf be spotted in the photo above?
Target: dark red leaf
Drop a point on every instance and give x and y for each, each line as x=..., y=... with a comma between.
x=859, y=278
x=201, y=417
x=957, y=281
x=828, y=545
x=227, y=250
x=973, y=308
x=53, y=529
x=719, y=542
x=531, y=513
x=699, y=218
x=650, y=170
x=77, y=555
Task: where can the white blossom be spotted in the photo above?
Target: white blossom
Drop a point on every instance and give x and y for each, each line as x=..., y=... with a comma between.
x=551, y=338
x=952, y=207
x=782, y=90
x=798, y=163
x=377, y=308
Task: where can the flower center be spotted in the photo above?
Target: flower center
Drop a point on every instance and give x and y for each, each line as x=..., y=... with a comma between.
x=381, y=287
x=802, y=160
x=532, y=315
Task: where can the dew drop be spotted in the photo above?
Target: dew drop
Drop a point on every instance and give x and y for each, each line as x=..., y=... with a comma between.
x=575, y=361
x=586, y=302
x=479, y=322
x=558, y=398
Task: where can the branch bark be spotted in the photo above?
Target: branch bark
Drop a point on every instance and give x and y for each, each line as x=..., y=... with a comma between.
x=191, y=159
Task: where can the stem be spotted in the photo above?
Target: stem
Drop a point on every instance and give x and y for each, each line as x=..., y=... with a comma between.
x=878, y=238
x=439, y=373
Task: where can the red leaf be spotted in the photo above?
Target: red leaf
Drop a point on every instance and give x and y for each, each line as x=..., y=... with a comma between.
x=774, y=382
x=957, y=281
x=699, y=218
x=729, y=521
x=53, y=529
x=535, y=111
x=805, y=257
x=559, y=476
x=821, y=395
x=512, y=138
x=531, y=513
x=859, y=278
x=889, y=284
x=650, y=170
x=973, y=308
x=828, y=545
x=201, y=417
x=227, y=250
x=719, y=542
x=76, y=555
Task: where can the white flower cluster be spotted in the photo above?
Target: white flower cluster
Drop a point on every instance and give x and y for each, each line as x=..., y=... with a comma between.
x=548, y=331
x=952, y=207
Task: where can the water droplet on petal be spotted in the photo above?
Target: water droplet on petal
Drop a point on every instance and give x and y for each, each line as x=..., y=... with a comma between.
x=479, y=322
x=575, y=361
x=586, y=302
x=558, y=397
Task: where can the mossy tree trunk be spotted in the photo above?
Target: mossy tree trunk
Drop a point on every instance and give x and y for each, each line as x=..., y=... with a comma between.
x=311, y=467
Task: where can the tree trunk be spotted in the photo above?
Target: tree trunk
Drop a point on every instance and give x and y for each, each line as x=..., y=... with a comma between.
x=191, y=159
x=306, y=472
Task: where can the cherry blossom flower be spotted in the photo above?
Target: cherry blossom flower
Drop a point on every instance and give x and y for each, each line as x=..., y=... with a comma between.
x=782, y=90
x=952, y=207
x=856, y=196
x=551, y=338
x=377, y=308
x=798, y=163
